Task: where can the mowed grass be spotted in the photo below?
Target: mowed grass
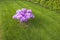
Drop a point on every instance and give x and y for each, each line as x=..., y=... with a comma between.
x=45, y=25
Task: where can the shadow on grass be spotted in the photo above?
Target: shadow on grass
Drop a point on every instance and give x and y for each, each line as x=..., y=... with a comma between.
x=35, y=22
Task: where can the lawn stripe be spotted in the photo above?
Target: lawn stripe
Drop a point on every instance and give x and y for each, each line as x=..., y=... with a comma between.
x=2, y=10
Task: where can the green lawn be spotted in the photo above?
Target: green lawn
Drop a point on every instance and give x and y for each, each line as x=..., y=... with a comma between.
x=45, y=26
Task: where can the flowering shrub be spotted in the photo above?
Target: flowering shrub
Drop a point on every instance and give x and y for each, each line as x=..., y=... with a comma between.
x=23, y=15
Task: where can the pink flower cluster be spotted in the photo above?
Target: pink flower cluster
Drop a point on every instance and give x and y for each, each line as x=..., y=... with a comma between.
x=23, y=15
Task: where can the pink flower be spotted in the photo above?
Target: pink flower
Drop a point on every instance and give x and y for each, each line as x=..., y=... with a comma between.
x=23, y=15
